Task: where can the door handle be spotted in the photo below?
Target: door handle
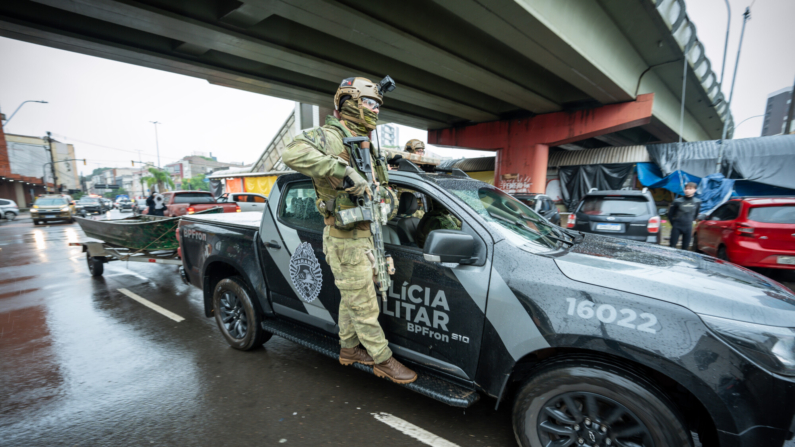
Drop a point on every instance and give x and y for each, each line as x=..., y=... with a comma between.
x=273, y=244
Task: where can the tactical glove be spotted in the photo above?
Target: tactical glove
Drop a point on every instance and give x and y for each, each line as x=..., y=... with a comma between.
x=394, y=161
x=359, y=183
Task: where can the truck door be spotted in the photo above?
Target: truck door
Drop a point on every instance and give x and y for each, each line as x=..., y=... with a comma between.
x=300, y=282
x=429, y=313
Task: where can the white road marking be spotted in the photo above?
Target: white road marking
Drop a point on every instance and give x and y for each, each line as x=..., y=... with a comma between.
x=412, y=430
x=152, y=305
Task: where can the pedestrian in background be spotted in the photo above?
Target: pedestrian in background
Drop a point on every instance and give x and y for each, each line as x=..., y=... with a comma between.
x=150, y=203
x=682, y=214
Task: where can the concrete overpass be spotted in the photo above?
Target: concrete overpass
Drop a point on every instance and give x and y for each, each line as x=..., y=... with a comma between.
x=514, y=76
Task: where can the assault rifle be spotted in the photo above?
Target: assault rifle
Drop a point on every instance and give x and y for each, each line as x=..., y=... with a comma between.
x=370, y=208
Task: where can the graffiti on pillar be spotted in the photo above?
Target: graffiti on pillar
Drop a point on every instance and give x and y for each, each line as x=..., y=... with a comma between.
x=515, y=183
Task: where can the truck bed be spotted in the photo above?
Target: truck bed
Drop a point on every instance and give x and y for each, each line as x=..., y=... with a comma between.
x=248, y=220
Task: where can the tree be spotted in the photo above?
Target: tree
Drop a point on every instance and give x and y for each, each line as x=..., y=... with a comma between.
x=196, y=183
x=159, y=178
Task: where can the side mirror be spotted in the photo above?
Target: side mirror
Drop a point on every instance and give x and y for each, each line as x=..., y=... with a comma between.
x=453, y=246
x=662, y=211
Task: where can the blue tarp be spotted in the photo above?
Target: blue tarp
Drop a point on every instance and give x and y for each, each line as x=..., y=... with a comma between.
x=649, y=175
x=714, y=190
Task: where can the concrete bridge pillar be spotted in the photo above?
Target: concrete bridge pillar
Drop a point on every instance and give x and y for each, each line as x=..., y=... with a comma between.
x=522, y=145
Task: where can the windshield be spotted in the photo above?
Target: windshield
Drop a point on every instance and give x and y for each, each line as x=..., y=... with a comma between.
x=50, y=202
x=773, y=214
x=514, y=220
x=91, y=201
x=614, y=206
x=193, y=197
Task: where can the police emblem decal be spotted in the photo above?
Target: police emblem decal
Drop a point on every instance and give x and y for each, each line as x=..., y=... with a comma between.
x=305, y=272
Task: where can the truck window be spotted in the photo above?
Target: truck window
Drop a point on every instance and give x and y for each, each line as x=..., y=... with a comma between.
x=194, y=197
x=298, y=207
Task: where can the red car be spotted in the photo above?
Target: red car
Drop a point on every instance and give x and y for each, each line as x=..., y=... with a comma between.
x=752, y=232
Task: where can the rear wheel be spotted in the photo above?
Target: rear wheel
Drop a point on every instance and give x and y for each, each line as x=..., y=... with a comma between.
x=586, y=402
x=95, y=265
x=236, y=316
x=11, y=216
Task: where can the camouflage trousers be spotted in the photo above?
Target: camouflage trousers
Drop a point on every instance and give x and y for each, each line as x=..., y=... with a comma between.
x=353, y=275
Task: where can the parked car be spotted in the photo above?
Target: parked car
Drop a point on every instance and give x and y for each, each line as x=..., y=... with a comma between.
x=124, y=205
x=138, y=206
x=587, y=337
x=247, y=201
x=8, y=209
x=92, y=205
x=52, y=207
x=752, y=232
x=624, y=214
x=541, y=204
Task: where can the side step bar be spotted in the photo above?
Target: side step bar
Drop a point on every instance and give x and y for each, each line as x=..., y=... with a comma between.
x=426, y=384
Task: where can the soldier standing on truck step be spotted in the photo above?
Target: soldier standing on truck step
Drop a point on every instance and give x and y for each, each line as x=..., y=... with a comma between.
x=320, y=153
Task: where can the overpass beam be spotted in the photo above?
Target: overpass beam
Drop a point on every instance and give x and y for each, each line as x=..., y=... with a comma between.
x=522, y=145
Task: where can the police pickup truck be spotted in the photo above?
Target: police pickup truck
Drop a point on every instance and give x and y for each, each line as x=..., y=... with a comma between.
x=594, y=341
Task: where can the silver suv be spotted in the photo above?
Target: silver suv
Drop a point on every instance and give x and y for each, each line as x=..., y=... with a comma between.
x=8, y=209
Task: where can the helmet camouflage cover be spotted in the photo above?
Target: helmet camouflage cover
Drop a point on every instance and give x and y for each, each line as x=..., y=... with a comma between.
x=413, y=145
x=355, y=89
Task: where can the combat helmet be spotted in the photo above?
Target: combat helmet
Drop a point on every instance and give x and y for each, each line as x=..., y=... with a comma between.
x=413, y=145
x=358, y=88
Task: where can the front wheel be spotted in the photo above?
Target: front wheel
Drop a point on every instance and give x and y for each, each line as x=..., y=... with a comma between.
x=586, y=402
x=236, y=316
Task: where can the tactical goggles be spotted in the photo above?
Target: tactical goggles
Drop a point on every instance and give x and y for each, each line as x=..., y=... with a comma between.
x=371, y=104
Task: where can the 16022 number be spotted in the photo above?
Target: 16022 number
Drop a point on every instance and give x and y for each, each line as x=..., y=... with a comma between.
x=608, y=314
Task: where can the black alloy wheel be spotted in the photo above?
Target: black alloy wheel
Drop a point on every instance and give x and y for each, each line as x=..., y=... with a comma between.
x=584, y=401
x=233, y=315
x=590, y=419
x=236, y=316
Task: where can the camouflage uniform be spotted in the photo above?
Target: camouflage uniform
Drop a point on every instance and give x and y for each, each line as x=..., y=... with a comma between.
x=435, y=220
x=320, y=154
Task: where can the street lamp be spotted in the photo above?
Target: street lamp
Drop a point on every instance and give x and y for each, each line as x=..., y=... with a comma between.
x=157, y=143
x=20, y=106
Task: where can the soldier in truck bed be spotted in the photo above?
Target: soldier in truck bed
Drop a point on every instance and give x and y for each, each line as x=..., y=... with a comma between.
x=320, y=153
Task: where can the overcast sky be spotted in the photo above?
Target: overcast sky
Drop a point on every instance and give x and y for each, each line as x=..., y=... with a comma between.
x=104, y=107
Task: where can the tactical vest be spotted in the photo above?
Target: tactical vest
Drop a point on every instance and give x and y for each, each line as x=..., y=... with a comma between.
x=331, y=196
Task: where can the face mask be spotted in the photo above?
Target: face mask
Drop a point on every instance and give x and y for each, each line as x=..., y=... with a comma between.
x=350, y=113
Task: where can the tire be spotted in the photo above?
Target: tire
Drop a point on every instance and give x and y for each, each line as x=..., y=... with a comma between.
x=10, y=216
x=36, y=222
x=581, y=380
x=95, y=265
x=237, y=318
x=722, y=253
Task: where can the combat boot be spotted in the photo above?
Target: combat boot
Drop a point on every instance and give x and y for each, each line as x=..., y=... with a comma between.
x=349, y=356
x=395, y=371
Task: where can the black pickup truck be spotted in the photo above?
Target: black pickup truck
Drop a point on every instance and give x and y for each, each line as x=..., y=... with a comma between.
x=593, y=340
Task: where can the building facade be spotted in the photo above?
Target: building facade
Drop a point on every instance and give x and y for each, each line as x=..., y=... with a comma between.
x=21, y=163
x=776, y=112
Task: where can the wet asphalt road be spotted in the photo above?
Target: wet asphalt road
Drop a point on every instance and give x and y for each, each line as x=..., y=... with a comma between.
x=83, y=364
